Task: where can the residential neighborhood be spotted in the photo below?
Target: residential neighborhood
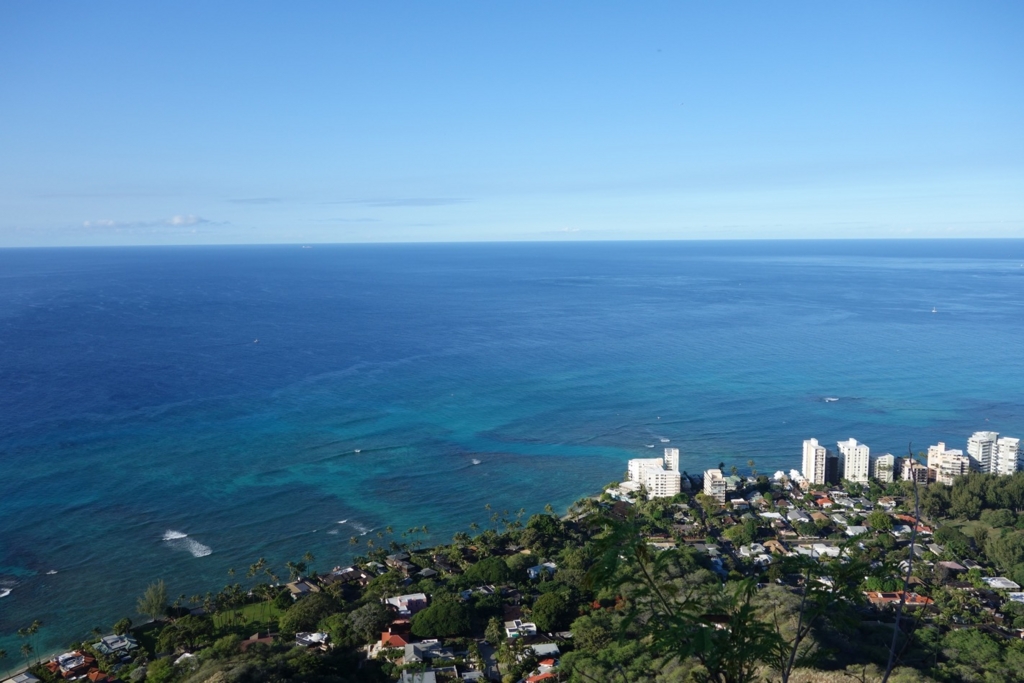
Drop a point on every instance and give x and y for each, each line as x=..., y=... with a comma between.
x=531, y=599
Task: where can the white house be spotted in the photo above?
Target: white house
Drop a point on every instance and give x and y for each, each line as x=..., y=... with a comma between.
x=408, y=605
x=538, y=571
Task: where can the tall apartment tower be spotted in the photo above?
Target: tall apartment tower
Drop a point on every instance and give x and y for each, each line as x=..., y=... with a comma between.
x=1007, y=457
x=884, y=467
x=914, y=471
x=945, y=465
x=856, y=460
x=660, y=476
x=981, y=449
x=715, y=484
x=814, y=462
x=672, y=459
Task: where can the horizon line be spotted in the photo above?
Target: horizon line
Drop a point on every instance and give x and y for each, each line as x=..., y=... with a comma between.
x=733, y=240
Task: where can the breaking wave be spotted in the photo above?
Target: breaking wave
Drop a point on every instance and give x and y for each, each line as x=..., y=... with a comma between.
x=179, y=541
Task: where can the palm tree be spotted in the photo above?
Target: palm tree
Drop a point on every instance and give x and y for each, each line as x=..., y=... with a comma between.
x=33, y=629
x=750, y=464
x=256, y=567
x=26, y=651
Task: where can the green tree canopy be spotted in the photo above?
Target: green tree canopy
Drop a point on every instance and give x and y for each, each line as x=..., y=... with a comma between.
x=998, y=518
x=517, y=566
x=1006, y=549
x=552, y=612
x=369, y=621
x=880, y=521
x=186, y=633
x=489, y=570
x=443, y=618
x=153, y=602
x=122, y=626
x=307, y=613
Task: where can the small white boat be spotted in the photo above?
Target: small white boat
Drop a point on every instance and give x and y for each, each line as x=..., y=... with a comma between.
x=475, y=461
x=358, y=450
x=831, y=399
x=650, y=445
x=51, y=572
x=4, y=592
x=933, y=310
x=255, y=341
x=665, y=440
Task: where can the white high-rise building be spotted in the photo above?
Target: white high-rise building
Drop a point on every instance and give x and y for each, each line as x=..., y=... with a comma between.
x=884, y=467
x=672, y=459
x=914, y=471
x=981, y=449
x=952, y=465
x=715, y=485
x=814, y=459
x=936, y=452
x=660, y=476
x=1007, y=456
x=856, y=460
x=946, y=464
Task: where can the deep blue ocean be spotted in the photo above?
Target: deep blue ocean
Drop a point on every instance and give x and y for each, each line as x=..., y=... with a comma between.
x=144, y=434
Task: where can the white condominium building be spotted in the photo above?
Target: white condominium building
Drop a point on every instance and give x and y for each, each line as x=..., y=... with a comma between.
x=715, y=485
x=952, y=465
x=660, y=476
x=1007, y=460
x=993, y=455
x=856, y=460
x=945, y=465
x=884, y=468
x=914, y=471
x=815, y=456
x=981, y=449
x=672, y=459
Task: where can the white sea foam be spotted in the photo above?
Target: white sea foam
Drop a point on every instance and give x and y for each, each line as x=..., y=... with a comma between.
x=180, y=541
x=4, y=592
x=343, y=521
x=51, y=572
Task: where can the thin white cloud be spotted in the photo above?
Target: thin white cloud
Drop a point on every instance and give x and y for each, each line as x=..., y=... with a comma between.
x=397, y=202
x=174, y=222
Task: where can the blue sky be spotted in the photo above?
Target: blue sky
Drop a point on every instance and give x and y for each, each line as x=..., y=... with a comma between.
x=194, y=123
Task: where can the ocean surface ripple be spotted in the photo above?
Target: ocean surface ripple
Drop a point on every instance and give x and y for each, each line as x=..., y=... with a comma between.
x=145, y=434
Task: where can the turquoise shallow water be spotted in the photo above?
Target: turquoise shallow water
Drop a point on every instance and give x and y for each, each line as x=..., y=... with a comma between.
x=144, y=435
